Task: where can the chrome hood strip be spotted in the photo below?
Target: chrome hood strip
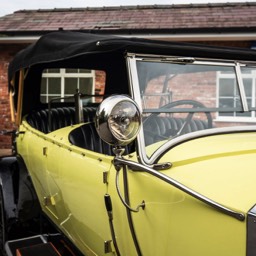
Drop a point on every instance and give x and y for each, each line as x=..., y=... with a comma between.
x=136, y=166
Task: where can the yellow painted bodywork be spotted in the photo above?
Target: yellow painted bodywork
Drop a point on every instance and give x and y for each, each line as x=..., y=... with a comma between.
x=70, y=187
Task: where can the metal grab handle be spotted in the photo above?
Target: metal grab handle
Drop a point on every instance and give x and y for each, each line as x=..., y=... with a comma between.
x=238, y=215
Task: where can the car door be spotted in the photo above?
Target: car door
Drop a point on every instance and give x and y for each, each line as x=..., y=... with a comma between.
x=77, y=186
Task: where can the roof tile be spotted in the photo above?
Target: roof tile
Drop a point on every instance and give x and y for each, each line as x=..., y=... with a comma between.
x=228, y=15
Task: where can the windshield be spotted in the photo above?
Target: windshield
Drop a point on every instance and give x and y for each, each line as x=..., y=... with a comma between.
x=180, y=96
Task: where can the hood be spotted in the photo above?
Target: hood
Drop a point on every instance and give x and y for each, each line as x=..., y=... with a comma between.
x=220, y=167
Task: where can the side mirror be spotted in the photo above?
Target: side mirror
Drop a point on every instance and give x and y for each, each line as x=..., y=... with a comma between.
x=118, y=120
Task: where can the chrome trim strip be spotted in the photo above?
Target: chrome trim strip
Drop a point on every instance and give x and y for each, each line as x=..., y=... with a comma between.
x=121, y=161
x=190, y=110
x=194, y=135
x=198, y=61
x=251, y=232
x=241, y=86
x=135, y=93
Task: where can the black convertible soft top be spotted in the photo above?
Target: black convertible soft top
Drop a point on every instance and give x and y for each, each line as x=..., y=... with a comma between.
x=66, y=49
x=63, y=45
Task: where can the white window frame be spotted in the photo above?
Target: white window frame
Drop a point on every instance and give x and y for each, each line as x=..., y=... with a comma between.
x=241, y=119
x=62, y=75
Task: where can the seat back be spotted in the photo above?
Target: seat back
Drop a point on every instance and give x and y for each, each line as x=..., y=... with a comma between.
x=87, y=137
x=60, y=117
x=157, y=128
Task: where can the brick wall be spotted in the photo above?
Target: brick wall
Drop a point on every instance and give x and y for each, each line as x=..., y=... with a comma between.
x=100, y=80
x=6, y=54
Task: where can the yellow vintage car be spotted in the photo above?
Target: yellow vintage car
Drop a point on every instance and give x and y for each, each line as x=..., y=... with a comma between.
x=127, y=146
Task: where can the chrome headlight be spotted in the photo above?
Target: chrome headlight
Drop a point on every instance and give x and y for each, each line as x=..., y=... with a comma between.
x=118, y=120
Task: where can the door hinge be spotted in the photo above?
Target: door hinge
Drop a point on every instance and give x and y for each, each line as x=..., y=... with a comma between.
x=105, y=177
x=108, y=246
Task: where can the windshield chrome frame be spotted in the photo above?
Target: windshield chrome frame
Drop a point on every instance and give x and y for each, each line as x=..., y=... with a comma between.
x=135, y=94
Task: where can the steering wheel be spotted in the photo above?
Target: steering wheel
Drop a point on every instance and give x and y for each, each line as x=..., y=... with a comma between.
x=188, y=118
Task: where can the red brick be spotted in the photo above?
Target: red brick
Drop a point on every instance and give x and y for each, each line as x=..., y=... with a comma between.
x=6, y=52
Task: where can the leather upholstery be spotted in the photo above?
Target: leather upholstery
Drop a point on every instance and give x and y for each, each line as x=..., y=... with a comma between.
x=60, y=117
x=87, y=137
x=157, y=128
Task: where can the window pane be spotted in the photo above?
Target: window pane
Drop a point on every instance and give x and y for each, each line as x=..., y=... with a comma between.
x=226, y=102
x=226, y=87
x=54, y=86
x=71, y=84
x=248, y=87
x=65, y=82
x=71, y=70
x=246, y=70
x=85, y=85
x=84, y=71
x=74, y=70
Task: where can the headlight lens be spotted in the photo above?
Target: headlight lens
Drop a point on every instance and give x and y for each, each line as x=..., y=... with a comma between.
x=118, y=120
